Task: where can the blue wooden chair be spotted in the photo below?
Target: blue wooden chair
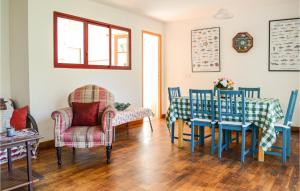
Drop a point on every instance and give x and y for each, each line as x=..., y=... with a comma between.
x=233, y=108
x=202, y=114
x=173, y=93
x=284, y=128
x=251, y=92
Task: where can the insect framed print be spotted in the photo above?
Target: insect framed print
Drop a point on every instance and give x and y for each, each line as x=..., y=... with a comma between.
x=284, y=45
x=205, y=50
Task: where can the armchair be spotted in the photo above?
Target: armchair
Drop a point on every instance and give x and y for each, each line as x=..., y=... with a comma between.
x=85, y=136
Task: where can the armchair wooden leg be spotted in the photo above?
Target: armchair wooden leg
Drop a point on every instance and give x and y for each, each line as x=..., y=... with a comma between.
x=108, y=153
x=58, y=155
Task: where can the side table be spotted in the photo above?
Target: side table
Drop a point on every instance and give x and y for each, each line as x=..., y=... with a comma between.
x=15, y=178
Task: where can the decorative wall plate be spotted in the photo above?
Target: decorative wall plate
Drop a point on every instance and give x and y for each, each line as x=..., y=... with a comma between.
x=242, y=42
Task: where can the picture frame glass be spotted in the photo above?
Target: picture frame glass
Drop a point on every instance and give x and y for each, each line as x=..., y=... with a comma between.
x=205, y=49
x=284, y=45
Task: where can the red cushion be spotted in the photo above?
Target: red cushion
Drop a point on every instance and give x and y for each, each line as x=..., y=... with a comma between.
x=18, y=118
x=85, y=114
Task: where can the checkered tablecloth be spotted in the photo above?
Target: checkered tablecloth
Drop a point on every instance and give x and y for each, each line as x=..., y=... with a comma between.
x=263, y=112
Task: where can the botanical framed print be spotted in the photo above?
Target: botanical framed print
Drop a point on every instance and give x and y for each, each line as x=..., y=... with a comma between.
x=206, y=50
x=284, y=45
x=242, y=42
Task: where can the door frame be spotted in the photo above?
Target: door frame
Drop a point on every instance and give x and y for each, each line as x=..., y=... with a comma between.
x=159, y=70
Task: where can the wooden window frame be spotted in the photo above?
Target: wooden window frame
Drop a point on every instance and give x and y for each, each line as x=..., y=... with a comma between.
x=116, y=49
x=85, y=64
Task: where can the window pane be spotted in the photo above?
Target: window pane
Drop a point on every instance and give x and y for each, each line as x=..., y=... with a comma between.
x=120, y=48
x=98, y=50
x=70, y=41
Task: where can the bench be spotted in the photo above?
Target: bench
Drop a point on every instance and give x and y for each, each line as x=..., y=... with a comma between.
x=131, y=114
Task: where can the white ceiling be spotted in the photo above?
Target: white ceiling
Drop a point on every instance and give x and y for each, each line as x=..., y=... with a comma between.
x=175, y=10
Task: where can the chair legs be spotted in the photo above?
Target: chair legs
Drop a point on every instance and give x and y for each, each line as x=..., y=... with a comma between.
x=288, y=140
x=237, y=136
x=58, y=155
x=202, y=135
x=108, y=153
x=172, y=133
x=243, y=145
x=220, y=142
x=192, y=137
x=213, y=140
x=284, y=145
x=227, y=139
x=253, y=141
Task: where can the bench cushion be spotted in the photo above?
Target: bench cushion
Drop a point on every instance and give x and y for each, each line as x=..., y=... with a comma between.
x=131, y=114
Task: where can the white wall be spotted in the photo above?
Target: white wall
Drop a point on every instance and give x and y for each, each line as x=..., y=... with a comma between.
x=18, y=51
x=4, y=50
x=248, y=69
x=49, y=86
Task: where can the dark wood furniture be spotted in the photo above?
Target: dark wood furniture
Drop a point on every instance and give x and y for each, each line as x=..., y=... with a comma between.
x=12, y=179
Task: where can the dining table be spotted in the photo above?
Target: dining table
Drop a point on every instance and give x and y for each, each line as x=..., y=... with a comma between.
x=262, y=112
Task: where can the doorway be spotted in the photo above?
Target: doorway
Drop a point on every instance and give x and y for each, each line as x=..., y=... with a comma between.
x=152, y=71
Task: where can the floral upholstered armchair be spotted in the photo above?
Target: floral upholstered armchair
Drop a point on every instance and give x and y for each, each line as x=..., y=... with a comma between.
x=85, y=136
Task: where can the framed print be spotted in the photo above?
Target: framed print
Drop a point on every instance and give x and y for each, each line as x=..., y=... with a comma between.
x=284, y=45
x=206, y=50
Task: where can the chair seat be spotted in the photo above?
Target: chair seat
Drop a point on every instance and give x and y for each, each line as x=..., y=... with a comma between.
x=84, y=136
x=280, y=124
x=235, y=123
x=201, y=120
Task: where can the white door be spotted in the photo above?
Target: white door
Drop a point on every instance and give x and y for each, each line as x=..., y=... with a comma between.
x=151, y=72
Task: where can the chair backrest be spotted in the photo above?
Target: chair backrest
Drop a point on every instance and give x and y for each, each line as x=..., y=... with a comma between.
x=202, y=104
x=231, y=104
x=251, y=92
x=174, y=92
x=92, y=93
x=290, y=110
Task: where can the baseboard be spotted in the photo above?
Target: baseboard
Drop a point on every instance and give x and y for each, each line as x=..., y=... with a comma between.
x=47, y=145
x=295, y=129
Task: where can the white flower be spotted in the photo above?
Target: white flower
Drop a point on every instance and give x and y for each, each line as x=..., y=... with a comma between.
x=224, y=83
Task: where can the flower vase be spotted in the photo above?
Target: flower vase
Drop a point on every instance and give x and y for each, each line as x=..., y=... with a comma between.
x=222, y=88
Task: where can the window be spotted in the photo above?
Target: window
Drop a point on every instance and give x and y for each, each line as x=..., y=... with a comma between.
x=84, y=43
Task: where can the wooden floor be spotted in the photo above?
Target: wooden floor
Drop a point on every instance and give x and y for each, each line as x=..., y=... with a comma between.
x=142, y=160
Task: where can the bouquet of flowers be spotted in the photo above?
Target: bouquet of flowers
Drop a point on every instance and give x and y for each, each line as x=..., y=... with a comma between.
x=224, y=83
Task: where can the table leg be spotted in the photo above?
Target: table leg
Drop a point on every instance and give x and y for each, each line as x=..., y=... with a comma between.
x=180, y=132
x=29, y=168
x=261, y=154
x=9, y=161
